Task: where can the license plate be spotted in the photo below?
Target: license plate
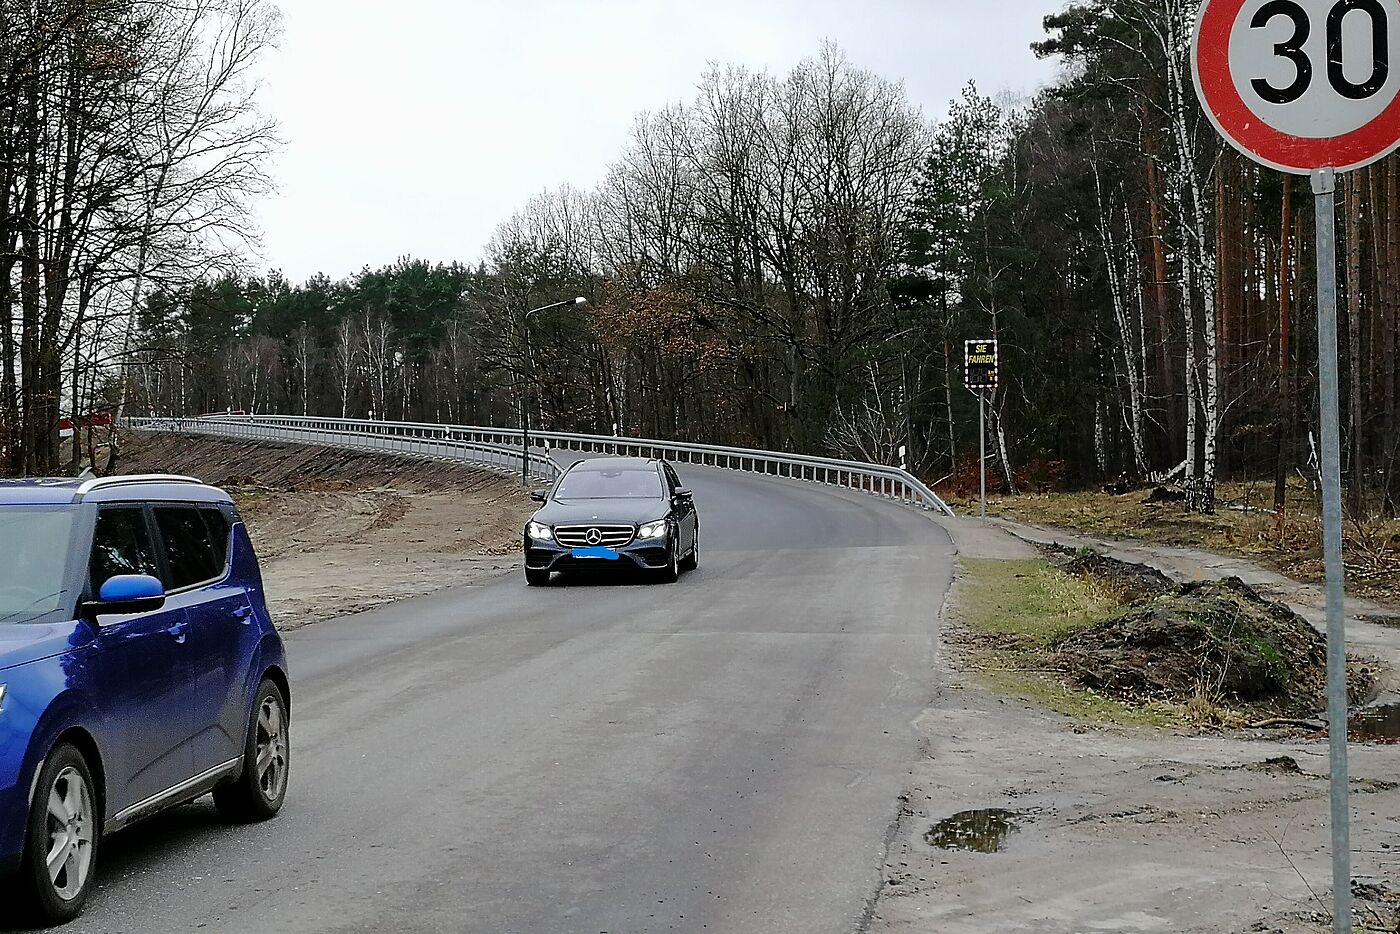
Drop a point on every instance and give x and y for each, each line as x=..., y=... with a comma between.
x=601, y=554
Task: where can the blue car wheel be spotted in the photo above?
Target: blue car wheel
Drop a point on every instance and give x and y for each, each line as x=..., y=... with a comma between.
x=60, y=854
x=261, y=787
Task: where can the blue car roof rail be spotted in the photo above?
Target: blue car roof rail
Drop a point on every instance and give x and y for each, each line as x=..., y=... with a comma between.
x=103, y=483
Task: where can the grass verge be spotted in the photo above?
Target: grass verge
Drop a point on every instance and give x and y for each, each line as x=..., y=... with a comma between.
x=1244, y=525
x=1015, y=611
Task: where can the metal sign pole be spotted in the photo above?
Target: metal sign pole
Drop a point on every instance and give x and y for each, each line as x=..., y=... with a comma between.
x=982, y=446
x=1325, y=187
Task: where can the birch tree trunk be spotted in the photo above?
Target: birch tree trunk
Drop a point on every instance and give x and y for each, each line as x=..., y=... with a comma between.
x=1126, y=332
x=1198, y=262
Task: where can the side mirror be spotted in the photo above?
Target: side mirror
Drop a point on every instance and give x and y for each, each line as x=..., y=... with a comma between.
x=126, y=594
x=684, y=494
x=537, y=496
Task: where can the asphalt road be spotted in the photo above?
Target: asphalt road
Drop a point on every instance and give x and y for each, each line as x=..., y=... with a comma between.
x=723, y=754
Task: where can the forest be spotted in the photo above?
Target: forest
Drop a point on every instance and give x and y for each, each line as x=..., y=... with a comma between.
x=130, y=150
x=784, y=261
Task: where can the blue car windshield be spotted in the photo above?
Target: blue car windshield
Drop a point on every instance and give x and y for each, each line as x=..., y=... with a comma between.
x=33, y=573
x=636, y=483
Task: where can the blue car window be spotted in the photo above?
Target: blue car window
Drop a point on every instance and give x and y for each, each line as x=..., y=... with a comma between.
x=32, y=575
x=188, y=552
x=218, y=532
x=121, y=544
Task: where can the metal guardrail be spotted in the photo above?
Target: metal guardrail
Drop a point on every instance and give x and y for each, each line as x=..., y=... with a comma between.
x=499, y=448
x=376, y=437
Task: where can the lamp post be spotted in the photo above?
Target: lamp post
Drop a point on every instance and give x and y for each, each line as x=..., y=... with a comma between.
x=529, y=379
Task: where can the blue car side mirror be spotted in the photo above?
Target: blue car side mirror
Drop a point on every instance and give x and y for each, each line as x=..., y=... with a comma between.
x=126, y=594
x=538, y=496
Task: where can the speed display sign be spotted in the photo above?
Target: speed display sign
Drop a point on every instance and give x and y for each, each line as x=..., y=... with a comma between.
x=1302, y=85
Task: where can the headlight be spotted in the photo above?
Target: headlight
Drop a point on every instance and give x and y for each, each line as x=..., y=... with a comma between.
x=539, y=532
x=653, y=530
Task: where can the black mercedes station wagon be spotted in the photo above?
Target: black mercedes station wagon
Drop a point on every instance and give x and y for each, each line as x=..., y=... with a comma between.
x=614, y=511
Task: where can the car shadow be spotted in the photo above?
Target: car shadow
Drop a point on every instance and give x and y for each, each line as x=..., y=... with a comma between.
x=606, y=577
x=131, y=852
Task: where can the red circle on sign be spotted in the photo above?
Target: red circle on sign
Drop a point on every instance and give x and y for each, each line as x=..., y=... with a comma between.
x=1248, y=131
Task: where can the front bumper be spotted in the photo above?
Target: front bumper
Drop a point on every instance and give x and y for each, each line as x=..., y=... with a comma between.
x=647, y=555
x=14, y=816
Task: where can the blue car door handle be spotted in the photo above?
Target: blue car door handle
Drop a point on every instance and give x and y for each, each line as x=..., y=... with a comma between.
x=179, y=631
x=244, y=613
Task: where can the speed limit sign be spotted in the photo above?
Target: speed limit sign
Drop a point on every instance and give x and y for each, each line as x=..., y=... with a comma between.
x=1302, y=85
x=1309, y=87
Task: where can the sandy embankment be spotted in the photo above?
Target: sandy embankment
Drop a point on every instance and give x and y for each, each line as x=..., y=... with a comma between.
x=340, y=532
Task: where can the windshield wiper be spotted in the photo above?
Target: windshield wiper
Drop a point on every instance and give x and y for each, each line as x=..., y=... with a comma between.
x=10, y=617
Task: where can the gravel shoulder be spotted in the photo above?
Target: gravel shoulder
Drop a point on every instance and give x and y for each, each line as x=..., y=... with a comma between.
x=1120, y=828
x=342, y=532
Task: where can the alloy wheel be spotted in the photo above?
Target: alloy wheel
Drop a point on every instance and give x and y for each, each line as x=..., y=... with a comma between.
x=70, y=830
x=271, y=744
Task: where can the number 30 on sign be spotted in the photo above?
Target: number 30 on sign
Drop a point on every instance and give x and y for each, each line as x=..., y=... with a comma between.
x=1302, y=85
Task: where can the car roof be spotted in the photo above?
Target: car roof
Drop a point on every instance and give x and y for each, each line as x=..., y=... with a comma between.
x=616, y=463
x=37, y=492
x=122, y=489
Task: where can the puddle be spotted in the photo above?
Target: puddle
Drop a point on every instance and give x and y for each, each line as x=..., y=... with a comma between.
x=974, y=831
x=1378, y=724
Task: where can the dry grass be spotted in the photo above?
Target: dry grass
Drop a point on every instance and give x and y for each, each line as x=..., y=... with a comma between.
x=1015, y=611
x=1014, y=616
x=1244, y=525
x=1032, y=603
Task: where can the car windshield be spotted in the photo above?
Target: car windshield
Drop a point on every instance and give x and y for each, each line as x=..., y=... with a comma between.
x=32, y=577
x=626, y=483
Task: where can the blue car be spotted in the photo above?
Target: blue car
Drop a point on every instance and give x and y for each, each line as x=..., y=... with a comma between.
x=139, y=670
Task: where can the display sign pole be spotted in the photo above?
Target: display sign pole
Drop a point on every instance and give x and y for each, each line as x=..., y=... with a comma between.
x=982, y=449
x=982, y=372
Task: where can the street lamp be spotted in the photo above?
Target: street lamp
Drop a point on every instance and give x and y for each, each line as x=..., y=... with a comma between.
x=529, y=379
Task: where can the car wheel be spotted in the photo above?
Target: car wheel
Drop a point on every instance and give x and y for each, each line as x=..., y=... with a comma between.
x=536, y=578
x=692, y=560
x=60, y=855
x=258, y=792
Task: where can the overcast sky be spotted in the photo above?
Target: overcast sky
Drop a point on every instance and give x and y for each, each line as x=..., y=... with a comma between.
x=414, y=126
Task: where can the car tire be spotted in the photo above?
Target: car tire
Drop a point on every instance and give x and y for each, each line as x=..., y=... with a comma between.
x=536, y=578
x=56, y=898
x=672, y=572
x=692, y=560
x=261, y=787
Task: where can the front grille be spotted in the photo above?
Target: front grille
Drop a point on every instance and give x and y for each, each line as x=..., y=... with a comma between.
x=609, y=536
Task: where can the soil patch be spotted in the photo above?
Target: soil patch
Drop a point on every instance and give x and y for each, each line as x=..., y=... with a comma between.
x=339, y=532
x=1133, y=581
x=1245, y=525
x=1213, y=640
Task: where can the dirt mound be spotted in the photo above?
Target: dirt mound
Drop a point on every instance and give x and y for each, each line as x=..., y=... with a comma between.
x=1132, y=582
x=1217, y=639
